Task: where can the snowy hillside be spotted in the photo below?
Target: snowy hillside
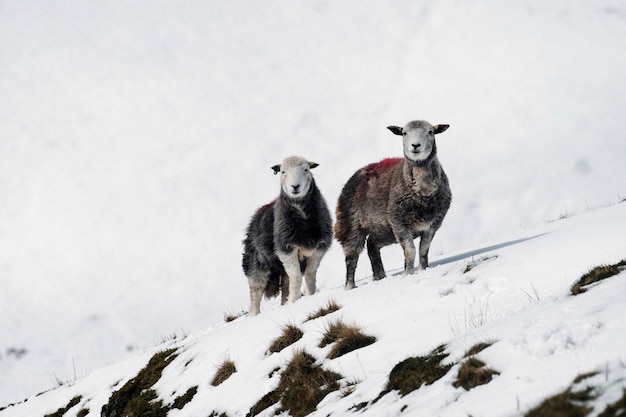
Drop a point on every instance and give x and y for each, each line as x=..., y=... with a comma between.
x=511, y=300
x=136, y=140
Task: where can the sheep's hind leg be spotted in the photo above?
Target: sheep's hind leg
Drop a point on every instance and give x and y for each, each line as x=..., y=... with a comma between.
x=291, y=263
x=352, y=249
x=373, y=251
x=257, y=285
x=284, y=289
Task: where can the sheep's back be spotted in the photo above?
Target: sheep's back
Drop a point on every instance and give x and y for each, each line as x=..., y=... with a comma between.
x=362, y=204
x=259, y=241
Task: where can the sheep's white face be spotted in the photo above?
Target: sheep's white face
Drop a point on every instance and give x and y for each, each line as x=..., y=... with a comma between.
x=418, y=140
x=296, y=177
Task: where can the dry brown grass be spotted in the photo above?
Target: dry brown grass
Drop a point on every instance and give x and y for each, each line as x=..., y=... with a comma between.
x=346, y=339
x=597, y=274
x=330, y=307
x=224, y=371
x=290, y=335
x=303, y=384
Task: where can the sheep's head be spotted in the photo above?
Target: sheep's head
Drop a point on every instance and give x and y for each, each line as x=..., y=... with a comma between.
x=295, y=176
x=419, y=138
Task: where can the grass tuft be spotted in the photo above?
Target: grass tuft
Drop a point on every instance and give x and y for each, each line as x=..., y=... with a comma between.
x=330, y=307
x=136, y=398
x=291, y=334
x=617, y=409
x=477, y=348
x=224, y=371
x=303, y=384
x=410, y=374
x=472, y=373
x=566, y=404
x=61, y=411
x=597, y=274
x=181, y=401
x=345, y=338
x=233, y=315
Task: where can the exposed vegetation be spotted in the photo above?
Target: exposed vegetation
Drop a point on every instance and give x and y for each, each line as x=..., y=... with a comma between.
x=410, y=374
x=233, y=315
x=330, y=307
x=477, y=348
x=345, y=338
x=569, y=403
x=181, y=401
x=61, y=411
x=597, y=274
x=291, y=334
x=224, y=371
x=472, y=373
x=214, y=414
x=303, y=384
x=617, y=409
x=136, y=398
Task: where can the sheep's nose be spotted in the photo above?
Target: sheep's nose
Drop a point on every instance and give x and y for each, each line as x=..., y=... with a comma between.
x=416, y=145
x=296, y=187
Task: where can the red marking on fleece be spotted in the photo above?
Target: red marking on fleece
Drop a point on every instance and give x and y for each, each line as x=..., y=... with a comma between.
x=379, y=167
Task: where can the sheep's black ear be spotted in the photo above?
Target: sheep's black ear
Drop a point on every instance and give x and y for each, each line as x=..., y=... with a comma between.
x=276, y=169
x=397, y=130
x=441, y=128
x=313, y=165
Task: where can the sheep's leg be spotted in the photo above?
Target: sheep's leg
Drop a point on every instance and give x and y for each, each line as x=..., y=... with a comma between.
x=373, y=251
x=352, y=250
x=257, y=288
x=425, y=240
x=284, y=289
x=310, y=271
x=409, y=255
x=291, y=263
x=351, y=262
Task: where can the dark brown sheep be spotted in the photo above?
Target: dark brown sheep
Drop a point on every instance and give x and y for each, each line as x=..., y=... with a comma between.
x=395, y=201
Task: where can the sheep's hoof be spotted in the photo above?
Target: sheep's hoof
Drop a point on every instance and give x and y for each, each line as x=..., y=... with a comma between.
x=350, y=285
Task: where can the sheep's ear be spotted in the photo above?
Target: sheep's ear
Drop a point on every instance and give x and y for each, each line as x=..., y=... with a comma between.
x=276, y=169
x=313, y=165
x=397, y=130
x=441, y=128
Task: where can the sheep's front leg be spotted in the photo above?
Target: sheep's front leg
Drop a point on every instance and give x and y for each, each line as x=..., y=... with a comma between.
x=284, y=289
x=425, y=240
x=310, y=271
x=409, y=255
x=257, y=285
x=291, y=263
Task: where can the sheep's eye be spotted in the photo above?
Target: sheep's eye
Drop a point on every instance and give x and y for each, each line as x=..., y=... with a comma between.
x=403, y=133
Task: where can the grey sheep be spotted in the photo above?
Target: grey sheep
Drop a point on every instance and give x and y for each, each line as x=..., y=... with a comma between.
x=395, y=201
x=287, y=237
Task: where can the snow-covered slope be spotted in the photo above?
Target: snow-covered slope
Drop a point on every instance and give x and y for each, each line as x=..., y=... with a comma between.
x=136, y=140
x=514, y=295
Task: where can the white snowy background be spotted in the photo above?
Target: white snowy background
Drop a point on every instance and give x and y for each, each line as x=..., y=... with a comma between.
x=136, y=140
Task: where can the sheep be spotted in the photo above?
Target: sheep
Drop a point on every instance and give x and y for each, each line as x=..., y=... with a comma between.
x=395, y=201
x=287, y=237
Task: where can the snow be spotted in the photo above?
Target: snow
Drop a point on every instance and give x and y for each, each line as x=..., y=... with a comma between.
x=516, y=296
x=135, y=144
